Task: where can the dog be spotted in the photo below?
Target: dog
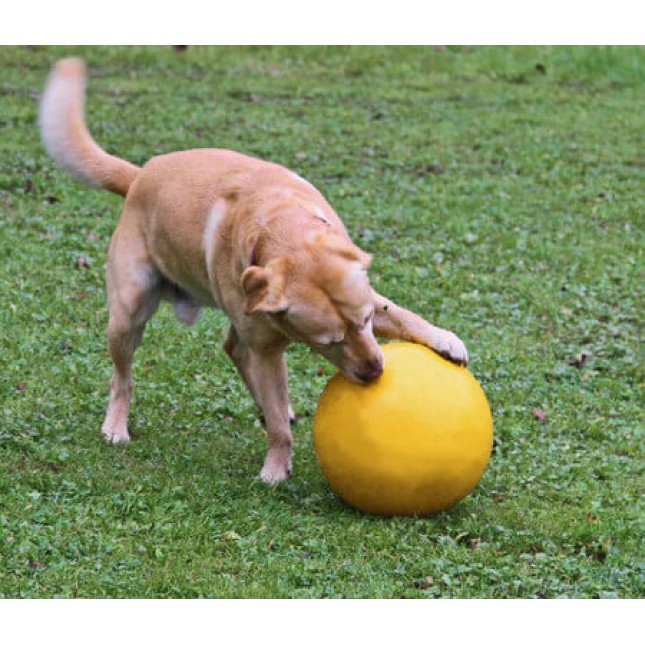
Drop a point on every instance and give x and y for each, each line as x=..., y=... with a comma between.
x=216, y=228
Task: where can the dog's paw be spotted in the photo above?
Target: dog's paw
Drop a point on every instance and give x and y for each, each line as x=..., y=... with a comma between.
x=276, y=468
x=114, y=437
x=449, y=346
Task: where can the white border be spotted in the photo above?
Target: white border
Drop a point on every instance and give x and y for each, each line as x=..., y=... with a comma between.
x=352, y=621
x=467, y=22
x=328, y=22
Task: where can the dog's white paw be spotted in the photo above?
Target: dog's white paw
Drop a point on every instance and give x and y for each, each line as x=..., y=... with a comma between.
x=277, y=467
x=113, y=437
x=450, y=346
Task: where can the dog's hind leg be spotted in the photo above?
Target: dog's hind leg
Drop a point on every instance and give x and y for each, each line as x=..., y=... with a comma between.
x=133, y=297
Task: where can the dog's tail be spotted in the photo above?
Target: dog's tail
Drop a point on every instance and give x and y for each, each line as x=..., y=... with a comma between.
x=65, y=135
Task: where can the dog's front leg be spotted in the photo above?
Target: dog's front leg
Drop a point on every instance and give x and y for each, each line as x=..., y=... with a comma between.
x=271, y=389
x=392, y=321
x=239, y=353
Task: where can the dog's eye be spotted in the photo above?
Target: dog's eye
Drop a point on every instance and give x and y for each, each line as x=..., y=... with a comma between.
x=334, y=342
x=366, y=322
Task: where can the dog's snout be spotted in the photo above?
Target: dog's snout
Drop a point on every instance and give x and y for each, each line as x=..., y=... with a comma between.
x=371, y=370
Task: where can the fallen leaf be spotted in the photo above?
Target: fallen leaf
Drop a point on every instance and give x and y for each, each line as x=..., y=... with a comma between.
x=367, y=234
x=580, y=361
x=431, y=169
x=426, y=583
x=36, y=564
x=601, y=551
x=540, y=415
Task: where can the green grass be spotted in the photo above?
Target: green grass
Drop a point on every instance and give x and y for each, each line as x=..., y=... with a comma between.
x=501, y=193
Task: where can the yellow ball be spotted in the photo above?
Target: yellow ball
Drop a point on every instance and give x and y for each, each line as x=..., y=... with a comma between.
x=414, y=442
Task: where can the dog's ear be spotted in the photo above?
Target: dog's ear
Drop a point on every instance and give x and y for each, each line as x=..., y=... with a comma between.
x=264, y=287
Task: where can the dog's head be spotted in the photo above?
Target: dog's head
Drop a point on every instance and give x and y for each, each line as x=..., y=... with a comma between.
x=321, y=296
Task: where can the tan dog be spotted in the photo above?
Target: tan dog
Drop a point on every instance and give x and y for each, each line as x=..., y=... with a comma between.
x=214, y=228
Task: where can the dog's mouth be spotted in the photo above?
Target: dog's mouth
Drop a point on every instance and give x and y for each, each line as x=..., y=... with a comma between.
x=361, y=380
x=363, y=371
x=367, y=374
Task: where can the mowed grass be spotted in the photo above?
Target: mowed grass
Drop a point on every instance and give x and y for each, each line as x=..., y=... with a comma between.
x=501, y=193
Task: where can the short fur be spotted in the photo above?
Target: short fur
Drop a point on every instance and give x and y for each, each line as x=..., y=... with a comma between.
x=215, y=228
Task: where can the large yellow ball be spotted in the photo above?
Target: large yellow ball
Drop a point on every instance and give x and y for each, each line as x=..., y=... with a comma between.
x=414, y=442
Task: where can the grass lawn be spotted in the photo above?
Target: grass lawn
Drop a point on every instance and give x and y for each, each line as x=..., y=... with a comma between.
x=501, y=193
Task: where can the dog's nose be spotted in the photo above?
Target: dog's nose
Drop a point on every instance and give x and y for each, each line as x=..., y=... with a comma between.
x=370, y=370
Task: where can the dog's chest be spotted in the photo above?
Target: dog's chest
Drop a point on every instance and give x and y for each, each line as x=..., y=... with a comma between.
x=183, y=247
